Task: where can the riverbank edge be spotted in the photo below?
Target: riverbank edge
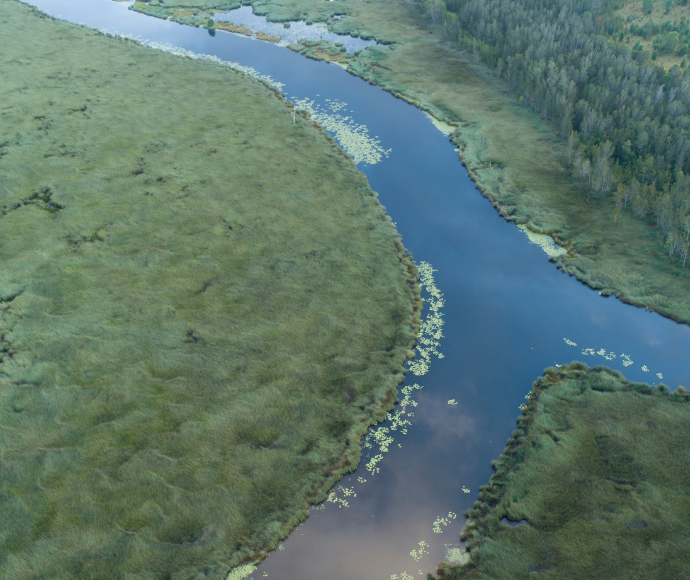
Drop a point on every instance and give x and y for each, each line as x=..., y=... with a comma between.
x=485, y=518
x=387, y=398
x=386, y=394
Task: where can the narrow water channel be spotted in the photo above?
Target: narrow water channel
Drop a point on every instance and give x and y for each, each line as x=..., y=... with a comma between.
x=508, y=314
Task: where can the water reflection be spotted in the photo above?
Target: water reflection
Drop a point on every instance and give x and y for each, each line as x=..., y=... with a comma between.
x=507, y=311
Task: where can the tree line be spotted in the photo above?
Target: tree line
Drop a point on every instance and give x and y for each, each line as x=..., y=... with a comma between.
x=626, y=119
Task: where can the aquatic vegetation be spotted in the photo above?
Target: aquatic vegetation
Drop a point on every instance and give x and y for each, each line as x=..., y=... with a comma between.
x=456, y=555
x=241, y=572
x=452, y=402
x=606, y=502
x=432, y=327
x=325, y=50
x=625, y=359
x=353, y=137
x=381, y=438
x=465, y=489
x=405, y=575
x=418, y=553
x=439, y=521
x=442, y=126
x=267, y=37
x=197, y=334
x=176, y=50
x=341, y=500
x=234, y=28
x=546, y=243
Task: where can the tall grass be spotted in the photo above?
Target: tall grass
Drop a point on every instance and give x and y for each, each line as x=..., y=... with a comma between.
x=203, y=308
x=597, y=475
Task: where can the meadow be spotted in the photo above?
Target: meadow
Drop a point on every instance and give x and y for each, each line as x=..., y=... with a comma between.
x=203, y=307
x=517, y=160
x=593, y=484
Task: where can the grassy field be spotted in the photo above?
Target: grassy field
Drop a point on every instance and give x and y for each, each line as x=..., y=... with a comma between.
x=597, y=476
x=517, y=160
x=203, y=307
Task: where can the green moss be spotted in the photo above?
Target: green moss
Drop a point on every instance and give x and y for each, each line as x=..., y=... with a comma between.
x=596, y=472
x=203, y=308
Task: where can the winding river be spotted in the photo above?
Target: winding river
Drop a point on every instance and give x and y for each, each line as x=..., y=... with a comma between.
x=508, y=313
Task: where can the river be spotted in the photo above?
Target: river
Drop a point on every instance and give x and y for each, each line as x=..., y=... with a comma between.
x=508, y=314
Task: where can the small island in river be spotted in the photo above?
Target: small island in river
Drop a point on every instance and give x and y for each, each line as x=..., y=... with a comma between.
x=203, y=307
x=592, y=485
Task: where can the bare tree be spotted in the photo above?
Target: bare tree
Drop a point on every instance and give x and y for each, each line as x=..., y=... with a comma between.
x=603, y=172
x=436, y=10
x=683, y=250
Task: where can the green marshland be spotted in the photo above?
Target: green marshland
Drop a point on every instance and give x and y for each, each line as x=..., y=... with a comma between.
x=203, y=308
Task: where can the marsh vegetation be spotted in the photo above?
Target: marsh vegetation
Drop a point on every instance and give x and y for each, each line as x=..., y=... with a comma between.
x=203, y=307
x=591, y=485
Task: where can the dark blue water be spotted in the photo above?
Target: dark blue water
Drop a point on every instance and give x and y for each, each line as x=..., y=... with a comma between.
x=507, y=312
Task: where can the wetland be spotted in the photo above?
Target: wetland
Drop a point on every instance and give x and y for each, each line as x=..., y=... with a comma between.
x=501, y=310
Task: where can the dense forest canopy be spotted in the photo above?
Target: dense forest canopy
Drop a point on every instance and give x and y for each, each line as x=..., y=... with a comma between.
x=627, y=119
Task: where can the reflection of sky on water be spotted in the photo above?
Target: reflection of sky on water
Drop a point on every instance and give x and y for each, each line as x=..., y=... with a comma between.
x=448, y=423
x=298, y=30
x=507, y=312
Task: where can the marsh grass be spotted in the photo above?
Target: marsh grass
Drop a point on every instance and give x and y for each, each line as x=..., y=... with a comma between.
x=324, y=50
x=203, y=307
x=596, y=474
x=517, y=160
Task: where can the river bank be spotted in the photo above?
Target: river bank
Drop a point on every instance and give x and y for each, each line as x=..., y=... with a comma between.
x=516, y=160
x=190, y=354
x=591, y=485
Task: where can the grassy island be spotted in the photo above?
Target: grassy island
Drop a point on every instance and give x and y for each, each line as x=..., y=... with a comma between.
x=203, y=307
x=592, y=485
x=518, y=159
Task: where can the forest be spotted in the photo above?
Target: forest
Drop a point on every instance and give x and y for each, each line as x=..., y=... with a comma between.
x=625, y=117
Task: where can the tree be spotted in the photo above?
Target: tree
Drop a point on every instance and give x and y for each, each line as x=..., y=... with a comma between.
x=436, y=10
x=603, y=172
